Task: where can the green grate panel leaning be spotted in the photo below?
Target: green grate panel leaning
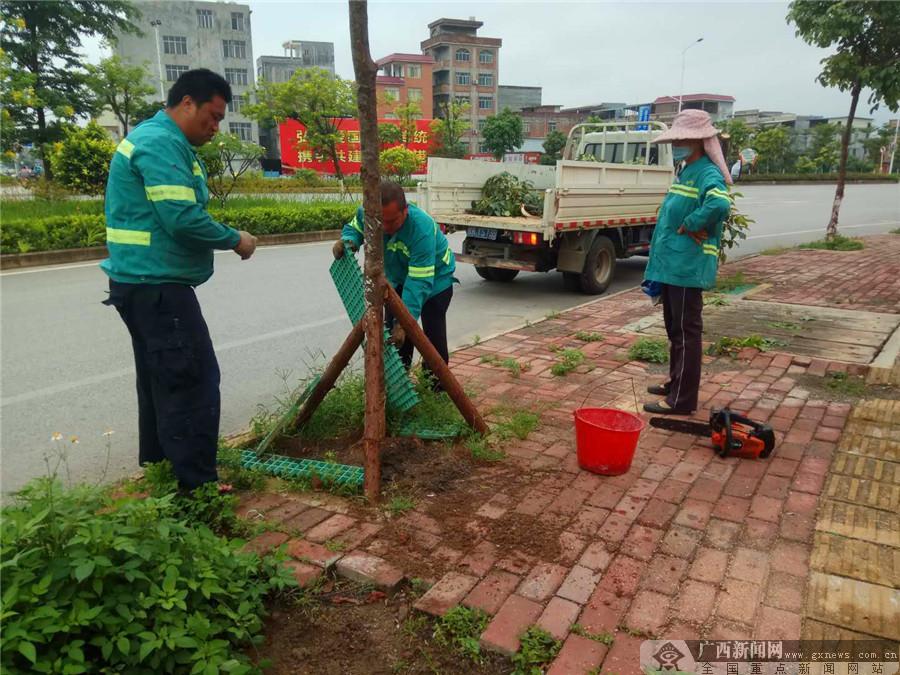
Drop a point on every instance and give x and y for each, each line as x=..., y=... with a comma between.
x=348, y=281
x=288, y=467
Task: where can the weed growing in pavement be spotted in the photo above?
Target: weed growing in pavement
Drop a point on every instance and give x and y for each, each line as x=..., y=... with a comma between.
x=651, y=350
x=569, y=360
x=418, y=587
x=605, y=638
x=634, y=632
x=400, y=504
x=552, y=315
x=731, y=346
x=476, y=340
x=848, y=385
x=460, y=629
x=537, y=649
x=413, y=624
x=838, y=243
x=586, y=336
x=514, y=367
x=335, y=545
x=481, y=449
x=776, y=250
x=714, y=300
x=784, y=325
x=231, y=471
x=514, y=423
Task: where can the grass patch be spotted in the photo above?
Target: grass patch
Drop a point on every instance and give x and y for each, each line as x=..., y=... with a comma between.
x=776, y=250
x=514, y=367
x=552, y=315
x=604, y=638
x=508, y=425
x=460, y=630
x=481, y=449
x=335, y=545
x=651, y=350
x=714, y=300
x=731, y=282
x=341, y=412
x=569, y=360
x=731, y=345
x=538, y=648
x=586, y=336
x=847, y=385
x=839, y=243
x=400, y=504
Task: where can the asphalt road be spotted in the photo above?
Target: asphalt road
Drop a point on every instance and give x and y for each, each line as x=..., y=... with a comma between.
x=67, y=363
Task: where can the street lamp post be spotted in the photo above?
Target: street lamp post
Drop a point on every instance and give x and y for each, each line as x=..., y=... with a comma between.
x=156, y=23
x=683, y=52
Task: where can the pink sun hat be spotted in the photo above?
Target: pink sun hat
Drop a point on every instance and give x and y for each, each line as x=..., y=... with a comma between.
x=696, y=125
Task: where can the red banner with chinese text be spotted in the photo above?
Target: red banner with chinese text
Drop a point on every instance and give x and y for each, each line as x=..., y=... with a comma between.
x=296, y=153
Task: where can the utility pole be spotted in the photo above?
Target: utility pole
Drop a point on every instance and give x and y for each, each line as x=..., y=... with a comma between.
x=156, y=23
x=683, y=52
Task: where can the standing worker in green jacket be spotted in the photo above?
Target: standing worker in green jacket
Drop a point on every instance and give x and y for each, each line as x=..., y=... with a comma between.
x=161, y=240
x=684, y=253
x=418, y=263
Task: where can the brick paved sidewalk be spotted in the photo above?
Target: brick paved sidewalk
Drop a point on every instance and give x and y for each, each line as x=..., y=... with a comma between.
x=685, y=545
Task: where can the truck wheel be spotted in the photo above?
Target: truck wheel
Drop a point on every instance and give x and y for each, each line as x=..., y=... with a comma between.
x=598, y=266
x=496, y=274
x=571, y=281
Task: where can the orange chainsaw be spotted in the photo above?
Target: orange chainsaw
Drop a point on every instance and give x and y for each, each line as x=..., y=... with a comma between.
x=732, y=434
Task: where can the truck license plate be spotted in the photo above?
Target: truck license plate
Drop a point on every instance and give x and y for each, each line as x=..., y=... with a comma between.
x=482, y=233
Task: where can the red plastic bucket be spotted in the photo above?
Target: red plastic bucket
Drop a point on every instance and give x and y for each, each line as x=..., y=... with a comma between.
x=606, y=439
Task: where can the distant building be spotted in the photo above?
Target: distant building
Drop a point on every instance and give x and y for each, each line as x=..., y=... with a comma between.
x=515, y=98
x=298, y=54
x=404, y=78
x=180, y=36
x=718, y=106
x=465, y=70
x=800, y=127
x=539, y=121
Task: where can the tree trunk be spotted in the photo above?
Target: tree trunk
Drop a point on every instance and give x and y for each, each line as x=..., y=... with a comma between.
x=831, y=233
x=365, y=70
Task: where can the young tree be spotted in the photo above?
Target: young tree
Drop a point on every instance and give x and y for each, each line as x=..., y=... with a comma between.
x=503, y=133
x=120, y=87
x=773, y=145
x=315, y=99
x=399, y=162
x=553, y=147
x=738, y=137
x=825, y=147
x=448, y=129
x=389, y=134
x=80, y=161
x=867, y=56
x=42, y=38
x=407, y=114
x=227, y=158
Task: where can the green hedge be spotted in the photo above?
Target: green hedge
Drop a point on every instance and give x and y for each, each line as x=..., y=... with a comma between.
x=816, y=178
x=76, y=231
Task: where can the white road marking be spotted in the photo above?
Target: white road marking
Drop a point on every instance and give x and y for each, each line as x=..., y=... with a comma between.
x=820, y=230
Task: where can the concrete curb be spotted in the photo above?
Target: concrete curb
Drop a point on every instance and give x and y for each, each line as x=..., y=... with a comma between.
x=14, y=261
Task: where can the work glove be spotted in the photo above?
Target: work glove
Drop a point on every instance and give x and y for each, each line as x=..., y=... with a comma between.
x=338, y=249
x=699, y=237
x=398, y=336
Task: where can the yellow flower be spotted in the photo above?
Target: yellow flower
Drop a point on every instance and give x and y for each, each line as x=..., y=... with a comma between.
x=74, y=440
x=108, y=433
x=56, y=437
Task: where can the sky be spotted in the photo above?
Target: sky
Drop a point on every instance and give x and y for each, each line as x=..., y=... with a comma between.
x=585, y=53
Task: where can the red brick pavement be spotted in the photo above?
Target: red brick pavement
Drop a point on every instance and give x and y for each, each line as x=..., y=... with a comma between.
x=683, y=545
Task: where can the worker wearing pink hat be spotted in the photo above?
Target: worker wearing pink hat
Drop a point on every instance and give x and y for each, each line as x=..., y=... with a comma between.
x=684, y=253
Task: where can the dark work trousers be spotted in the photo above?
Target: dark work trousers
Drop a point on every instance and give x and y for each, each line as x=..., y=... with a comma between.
x=682, y=311
x=434, y=323
x=177, y=378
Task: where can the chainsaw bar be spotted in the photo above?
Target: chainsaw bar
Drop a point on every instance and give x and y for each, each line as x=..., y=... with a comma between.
x=681, y=426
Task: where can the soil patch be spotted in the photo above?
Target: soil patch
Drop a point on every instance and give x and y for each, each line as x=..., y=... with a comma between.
x=852, y=390
x=381, y=637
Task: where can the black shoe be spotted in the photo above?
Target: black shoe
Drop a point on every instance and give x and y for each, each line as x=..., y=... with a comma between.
x=662, y=408
x=658, y=389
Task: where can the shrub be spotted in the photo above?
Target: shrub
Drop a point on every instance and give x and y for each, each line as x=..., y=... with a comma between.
x=94, y=585
x=81, y=160
x=838, y=243
x=816, y=177
x=398, y=162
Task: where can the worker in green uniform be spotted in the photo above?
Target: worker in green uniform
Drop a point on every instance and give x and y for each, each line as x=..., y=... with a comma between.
x=161, y=241
x=684, y=253
x=418, y=263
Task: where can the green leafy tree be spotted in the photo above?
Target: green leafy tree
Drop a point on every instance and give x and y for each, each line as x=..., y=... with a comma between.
x=739, y=135
x=407, y=114
x=448, y=129
x=120, y=87
x=503, y=133
x=43, y=39
x=389, y=134
x=144, y=110
x=882, y=138
x=398, y=162
x=80, y=161
x=825, y=146
x=17, y=97
x=867, y=55
x=553, y=147
x=227, y=158
x=773, y=145
x=315, y=99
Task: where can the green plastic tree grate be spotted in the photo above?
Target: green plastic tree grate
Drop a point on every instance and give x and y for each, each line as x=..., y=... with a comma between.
x=288, y=467
x=348, y=281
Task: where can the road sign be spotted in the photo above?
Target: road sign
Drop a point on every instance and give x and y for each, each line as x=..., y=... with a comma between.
x=643, y=116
